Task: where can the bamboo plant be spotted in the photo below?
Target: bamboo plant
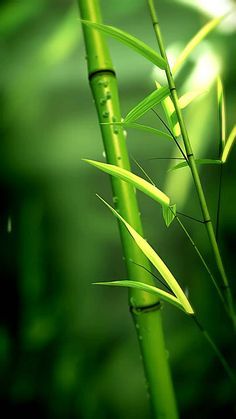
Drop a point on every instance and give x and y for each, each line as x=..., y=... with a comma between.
x=144, y=297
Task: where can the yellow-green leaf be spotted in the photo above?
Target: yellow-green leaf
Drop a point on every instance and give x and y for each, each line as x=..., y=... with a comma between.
x=147, y=103
x=135, y=180
x=204, y=31
x=229, y=144
x=189, y=97
x=221, y=112
x=157, y=262
x=170, y=113
x=163, y=295
x=130, y=41
x=141, y=127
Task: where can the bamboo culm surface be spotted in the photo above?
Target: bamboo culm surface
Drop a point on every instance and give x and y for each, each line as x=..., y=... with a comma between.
x=145, y=307
x=193, y=167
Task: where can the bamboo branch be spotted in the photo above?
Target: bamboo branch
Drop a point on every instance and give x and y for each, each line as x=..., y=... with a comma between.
x=193, y=167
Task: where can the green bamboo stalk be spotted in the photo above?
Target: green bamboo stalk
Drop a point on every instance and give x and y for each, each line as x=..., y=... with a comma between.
x=145, y=308
x=193, y=167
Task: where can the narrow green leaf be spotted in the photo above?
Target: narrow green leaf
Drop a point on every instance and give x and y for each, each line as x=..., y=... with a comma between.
x=229, y=144
x=141, y=127
x=147, y=103
x=149, y=252
x=135, y=180
x=170, y=113
x=163, y=295
x=204, y=31
x=197, y=161
x=169, y=214
x=221, y=112
x=189, y=97
x=130, y=41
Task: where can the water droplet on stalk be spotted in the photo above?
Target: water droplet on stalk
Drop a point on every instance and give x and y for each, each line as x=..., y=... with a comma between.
x=105, y=114
x=104, y=154
x=102, y=101
x=115, y=199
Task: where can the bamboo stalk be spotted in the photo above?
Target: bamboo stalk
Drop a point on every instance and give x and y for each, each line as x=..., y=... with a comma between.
x=145, y=307
x=193, y=167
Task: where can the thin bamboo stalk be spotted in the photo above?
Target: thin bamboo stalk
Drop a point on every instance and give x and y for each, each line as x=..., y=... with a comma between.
x=193, y=167
x=145, y=308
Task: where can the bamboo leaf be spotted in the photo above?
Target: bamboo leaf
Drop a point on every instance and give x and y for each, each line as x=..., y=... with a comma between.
x=170, y=113
x=130, y=41
x=147, y=103
x=134, y=180
x=163, y=295
x=221, y=112
x=204, y=31
x=189, y=97
x=141, y=127
x=157, y=262
x=229, y=144
x=169, y=214
x=197, y=161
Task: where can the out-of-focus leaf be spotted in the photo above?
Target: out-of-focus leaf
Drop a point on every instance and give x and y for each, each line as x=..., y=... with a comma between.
x=130, y=41
x=189, y=97
x=163, y=295
x=229, y=144
x=147, y=103
x=157, y=262
x=221, y=112
x=204, y=31
x=62, y=41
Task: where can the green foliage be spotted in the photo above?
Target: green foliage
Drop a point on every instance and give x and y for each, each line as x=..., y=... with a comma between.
x=129, y=40
x=147, y=103
x=156, y=261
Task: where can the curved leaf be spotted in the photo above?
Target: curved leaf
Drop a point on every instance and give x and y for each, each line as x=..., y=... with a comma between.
x=147, y=103
x=197, y=161
x=163, y=295
x=135, y=180
x=130, y=41
x=157, y=262
x=141, y=127
x=221, y=112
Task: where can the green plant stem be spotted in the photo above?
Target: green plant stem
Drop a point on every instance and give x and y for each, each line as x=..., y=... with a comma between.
x=193, y=167
x=145, y=308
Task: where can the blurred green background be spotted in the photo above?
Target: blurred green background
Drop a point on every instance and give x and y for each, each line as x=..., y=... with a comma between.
x=67, y=348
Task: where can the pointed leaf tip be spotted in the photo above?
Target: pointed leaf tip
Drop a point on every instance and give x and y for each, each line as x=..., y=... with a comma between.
x=138, y=182
x=147, y=103
x=163, y=295
x=157, y=262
